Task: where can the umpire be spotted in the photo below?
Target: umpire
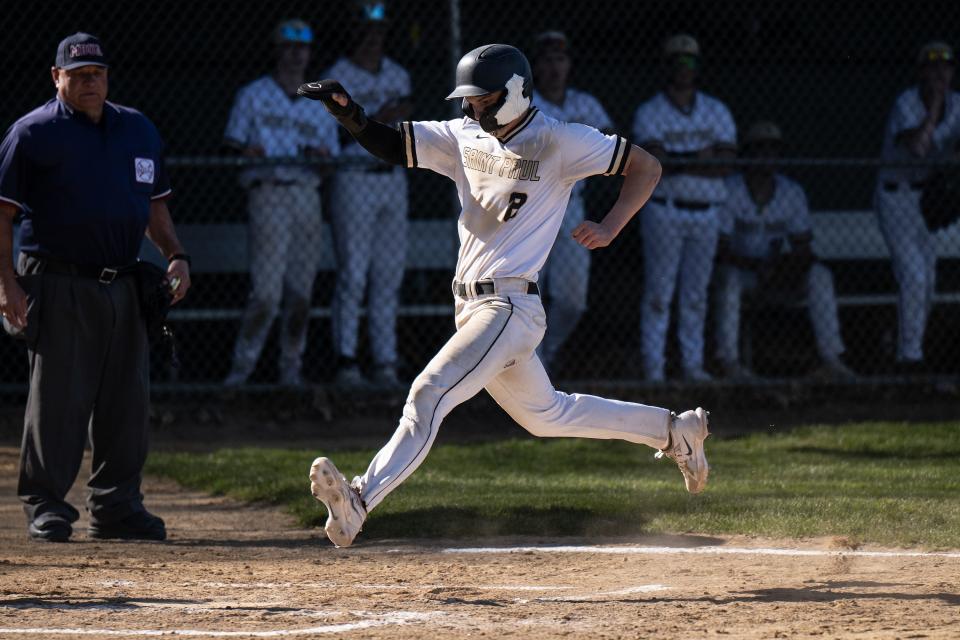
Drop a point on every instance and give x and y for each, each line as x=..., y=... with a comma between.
x=88, y=180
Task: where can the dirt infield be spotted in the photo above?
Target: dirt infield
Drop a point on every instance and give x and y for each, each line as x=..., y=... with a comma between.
x=230, y=570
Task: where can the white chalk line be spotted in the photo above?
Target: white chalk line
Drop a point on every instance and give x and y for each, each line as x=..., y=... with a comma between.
x=380, y=620
x=331, y=585
x=709, y=550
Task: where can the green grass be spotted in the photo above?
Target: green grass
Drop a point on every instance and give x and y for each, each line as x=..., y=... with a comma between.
x=894, y=484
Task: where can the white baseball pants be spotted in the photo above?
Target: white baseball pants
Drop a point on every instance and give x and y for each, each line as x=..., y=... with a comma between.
x=914, y=260
x=821, y=303
x=369, y=213
x=493, y=348
x=284, y=246
x=565, y=278
x=678, y=250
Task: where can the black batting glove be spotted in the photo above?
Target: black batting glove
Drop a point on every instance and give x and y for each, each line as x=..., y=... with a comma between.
x=351, y=116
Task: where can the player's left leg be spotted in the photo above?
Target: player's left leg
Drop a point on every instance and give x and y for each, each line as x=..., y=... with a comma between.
x=387, y=260
x=568, y=276
x=696, y=267
x=822, y=307
x=303, y=260
x=525, y=392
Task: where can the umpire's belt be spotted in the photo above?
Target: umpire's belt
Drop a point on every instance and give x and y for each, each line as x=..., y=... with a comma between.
x=492, y=287
x=689, y=205
x=105, y=275
x=895, y=186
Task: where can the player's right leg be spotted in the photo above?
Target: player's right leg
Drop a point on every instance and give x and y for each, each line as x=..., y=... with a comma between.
x=898, y=214
x=483, y=345
x=352, y=219
x=662, y=244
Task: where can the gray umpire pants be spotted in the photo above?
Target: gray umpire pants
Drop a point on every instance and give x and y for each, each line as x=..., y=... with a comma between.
x=89, y=377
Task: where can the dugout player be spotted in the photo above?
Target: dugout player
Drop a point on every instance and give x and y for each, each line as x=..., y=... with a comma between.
x=514, y=168
x=87, y=178
x=369, y=211
x=766, y=247
x=566, y=275
x=680, y=222
x=269, y=120
x=924, y=123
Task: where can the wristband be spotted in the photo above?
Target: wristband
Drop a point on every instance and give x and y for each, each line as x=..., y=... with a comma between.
x=180, y=256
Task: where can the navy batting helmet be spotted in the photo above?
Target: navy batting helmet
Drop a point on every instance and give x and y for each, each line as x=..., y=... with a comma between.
x=488, y=69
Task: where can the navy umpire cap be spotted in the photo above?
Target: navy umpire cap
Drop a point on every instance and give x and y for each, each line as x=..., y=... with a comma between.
x=488, y=68
x=79, y=50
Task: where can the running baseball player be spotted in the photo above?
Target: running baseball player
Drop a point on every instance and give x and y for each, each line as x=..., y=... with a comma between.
x=766, y=244
x=369, y=211
x=514, y=168
x=680, y=221
x=567, y=272
x=924, y=123
x=269, y=120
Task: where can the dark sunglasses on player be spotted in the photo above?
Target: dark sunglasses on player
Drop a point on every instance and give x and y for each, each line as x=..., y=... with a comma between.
x=939, y=55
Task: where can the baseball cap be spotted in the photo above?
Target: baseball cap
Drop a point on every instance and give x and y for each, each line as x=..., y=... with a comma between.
x=681, y=44
x=79, y=50
x=763, y=131
x=550, y=41
x=292, y=31
x=372, y=11
x=936, y=51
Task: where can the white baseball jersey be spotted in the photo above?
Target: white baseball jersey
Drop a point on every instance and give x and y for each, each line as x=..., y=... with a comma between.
x=264, y=115
x=578, y=106
x=755, y=229
x=514, y=191
x=909, y=112
x=371, y=90
x=709, y=123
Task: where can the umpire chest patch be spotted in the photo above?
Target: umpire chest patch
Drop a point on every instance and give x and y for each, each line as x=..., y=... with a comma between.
x=143, y=167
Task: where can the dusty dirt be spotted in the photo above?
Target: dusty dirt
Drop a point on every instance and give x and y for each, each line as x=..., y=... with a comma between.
x=231, y=570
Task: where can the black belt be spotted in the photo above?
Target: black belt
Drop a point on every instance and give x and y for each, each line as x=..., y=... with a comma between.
x=914, y=186
x=256, y=184
x=488, y=287
x=105, y=275
x=690, y=205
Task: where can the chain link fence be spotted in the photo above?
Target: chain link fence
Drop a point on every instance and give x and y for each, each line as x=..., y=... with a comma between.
x=305, y=250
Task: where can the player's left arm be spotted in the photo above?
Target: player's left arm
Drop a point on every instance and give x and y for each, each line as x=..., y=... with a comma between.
x=641, y=175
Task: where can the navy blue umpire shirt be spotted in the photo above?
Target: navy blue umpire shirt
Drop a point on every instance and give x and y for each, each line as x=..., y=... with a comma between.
x=84, y=189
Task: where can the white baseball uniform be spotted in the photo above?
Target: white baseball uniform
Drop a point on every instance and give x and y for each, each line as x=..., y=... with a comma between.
x=513, y=193
x=285, y=218
x=566, y=275
x=369, y=215
x=762, y=233
x=680, y=227
x=897, y=201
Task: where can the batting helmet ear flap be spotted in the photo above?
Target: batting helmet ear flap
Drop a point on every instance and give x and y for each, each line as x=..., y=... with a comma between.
x=468, y=110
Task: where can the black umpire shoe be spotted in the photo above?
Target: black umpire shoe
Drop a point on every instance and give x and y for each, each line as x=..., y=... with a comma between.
x=50, y=527
x=141, y=525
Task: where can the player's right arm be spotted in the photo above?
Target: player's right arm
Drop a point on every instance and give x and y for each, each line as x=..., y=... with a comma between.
x=380, y=140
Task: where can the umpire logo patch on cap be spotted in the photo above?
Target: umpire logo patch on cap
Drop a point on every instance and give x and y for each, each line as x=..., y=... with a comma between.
x=144, y=170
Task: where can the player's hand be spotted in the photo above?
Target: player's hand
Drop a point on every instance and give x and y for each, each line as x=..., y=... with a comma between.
x=593, y=235
x=178, y=277
x=13, y=302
